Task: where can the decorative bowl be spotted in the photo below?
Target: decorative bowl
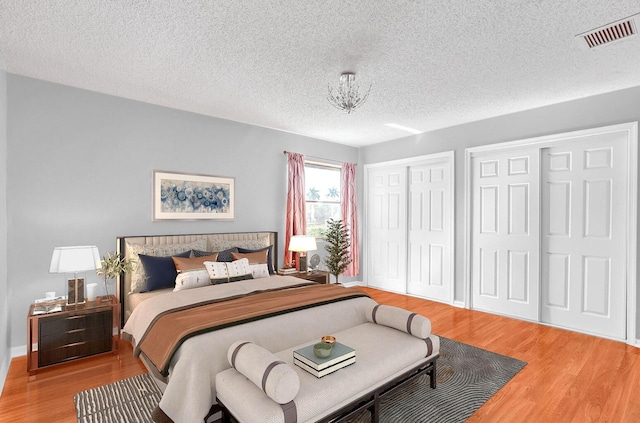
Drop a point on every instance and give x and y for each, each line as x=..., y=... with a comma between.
x=322, y=349
x=328, y=339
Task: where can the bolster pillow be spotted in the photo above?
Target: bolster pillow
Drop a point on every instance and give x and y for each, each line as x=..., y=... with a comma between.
x=277, y=379
x=399, y=318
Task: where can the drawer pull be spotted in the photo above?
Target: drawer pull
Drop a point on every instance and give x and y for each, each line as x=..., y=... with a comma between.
x=81, y=316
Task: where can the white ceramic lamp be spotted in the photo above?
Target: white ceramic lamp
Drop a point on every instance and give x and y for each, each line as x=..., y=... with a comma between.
x=75, y=260
x=301, y=244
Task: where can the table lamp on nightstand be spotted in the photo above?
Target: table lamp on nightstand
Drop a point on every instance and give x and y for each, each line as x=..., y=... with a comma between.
x=301, y=244
x=75, y=260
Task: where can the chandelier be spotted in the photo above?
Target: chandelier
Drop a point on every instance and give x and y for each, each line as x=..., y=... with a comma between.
x=347, y=96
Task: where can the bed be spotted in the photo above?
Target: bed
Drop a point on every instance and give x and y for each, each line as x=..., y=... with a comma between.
x=274, y=312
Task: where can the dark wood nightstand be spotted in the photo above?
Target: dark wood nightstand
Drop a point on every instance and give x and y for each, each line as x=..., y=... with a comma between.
x=76, y=331
x=319, y=276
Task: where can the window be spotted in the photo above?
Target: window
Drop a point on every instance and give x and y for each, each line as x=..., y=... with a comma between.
x=322, y=183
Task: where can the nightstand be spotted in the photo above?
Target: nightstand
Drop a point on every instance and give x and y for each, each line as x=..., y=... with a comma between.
x=319, y=276
x=76, y=331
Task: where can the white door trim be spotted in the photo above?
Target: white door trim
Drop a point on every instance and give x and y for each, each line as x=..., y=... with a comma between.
x=631, y=128
x=450, y=157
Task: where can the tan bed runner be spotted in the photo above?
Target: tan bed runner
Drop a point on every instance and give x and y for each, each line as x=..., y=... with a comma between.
x=169, y=330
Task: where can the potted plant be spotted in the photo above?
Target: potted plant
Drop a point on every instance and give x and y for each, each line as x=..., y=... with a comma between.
x=337, y=238
x=113, y=265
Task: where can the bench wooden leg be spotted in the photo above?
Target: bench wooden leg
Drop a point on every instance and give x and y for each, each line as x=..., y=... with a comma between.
x=432, y=375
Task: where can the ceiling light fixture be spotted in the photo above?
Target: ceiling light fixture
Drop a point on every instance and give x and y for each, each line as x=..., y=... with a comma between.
x=347, y=97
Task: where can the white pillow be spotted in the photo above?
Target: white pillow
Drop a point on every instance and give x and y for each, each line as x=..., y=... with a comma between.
x=399, y=318
x=192, y=279
x=260, y=270
x=225, y=271
x=276, y=379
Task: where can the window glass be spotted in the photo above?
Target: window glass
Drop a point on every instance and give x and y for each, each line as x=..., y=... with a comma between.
x=322, y=184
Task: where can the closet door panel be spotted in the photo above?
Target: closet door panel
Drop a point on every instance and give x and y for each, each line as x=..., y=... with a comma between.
x=505, y=247
x=430, y=230
x=387, y=227
x=583, y=236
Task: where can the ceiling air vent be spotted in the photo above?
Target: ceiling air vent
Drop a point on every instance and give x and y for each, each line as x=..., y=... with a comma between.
x=610, y=33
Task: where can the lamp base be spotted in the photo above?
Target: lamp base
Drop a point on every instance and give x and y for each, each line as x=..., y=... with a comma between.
x=302, y=263
x=75, y=291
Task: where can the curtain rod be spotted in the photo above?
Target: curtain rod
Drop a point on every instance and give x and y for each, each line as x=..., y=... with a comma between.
x=323, y=160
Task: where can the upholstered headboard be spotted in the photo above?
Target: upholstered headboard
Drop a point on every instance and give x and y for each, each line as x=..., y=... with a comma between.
x=126, y=244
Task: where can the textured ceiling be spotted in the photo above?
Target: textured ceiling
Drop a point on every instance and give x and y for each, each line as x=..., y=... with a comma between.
x=432, y=63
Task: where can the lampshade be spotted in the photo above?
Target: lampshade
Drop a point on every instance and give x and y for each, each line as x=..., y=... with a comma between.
x=75, y=259
x=302, y=243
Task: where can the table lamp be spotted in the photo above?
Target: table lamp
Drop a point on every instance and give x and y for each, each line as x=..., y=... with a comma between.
x=301, y=244
x=75, y=260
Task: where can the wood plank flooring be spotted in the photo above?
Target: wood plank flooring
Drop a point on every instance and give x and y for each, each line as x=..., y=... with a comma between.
x=569, y=377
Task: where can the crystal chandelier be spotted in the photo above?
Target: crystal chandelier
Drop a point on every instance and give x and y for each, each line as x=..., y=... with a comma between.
x=347, y=97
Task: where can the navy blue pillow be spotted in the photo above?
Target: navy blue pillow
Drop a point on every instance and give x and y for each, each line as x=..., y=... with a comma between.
x=269, y=260
x=222, y=255
x=160, y=272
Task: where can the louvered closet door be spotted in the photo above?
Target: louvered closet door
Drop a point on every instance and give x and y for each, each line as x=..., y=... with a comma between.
x=505, y=233
x=583, y=235
x=387, y=227
x=430, y=226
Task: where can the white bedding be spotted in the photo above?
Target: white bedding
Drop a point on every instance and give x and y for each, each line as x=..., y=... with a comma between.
x=190, y=390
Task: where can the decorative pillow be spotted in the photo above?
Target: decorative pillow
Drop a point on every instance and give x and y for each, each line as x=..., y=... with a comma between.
x=276, y=379
x=196, y=263
x=269, y=259
x=138, y=280
x=401, y=319
x=258, y=257
x=160, y=272
x=223, y=272
x=225, y=244
x=192, y=279
x=222, y=255
x=259, y=270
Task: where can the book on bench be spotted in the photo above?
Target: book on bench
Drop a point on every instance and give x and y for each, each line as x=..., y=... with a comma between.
x=341, y=356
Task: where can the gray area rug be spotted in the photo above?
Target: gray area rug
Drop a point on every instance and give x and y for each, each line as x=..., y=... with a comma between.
x=467, y=377
x=127, y=400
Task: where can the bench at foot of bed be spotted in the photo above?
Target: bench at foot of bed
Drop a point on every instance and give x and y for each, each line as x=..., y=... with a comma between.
x=386, y=359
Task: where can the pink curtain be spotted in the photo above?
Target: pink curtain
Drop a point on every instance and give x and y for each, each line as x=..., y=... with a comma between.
x=348, y=204
x=296, y=222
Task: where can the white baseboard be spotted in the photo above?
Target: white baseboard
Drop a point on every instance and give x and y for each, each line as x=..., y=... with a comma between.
x=4, y=370
x=459, y=304
x=353, y=283
x=18, y=351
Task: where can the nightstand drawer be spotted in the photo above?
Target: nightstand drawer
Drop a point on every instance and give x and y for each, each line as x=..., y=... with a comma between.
x=64, y=338
x=62, y=324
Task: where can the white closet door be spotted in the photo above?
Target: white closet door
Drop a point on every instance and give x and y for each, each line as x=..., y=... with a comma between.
x=387, y=228
x=430, y=230
x=583, y=235
x=505, y=233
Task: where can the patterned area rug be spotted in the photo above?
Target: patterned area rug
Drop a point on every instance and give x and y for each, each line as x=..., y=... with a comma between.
x=467, y=377
x=128, y=400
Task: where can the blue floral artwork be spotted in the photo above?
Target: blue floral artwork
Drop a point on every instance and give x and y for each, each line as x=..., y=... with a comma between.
x=192, y=197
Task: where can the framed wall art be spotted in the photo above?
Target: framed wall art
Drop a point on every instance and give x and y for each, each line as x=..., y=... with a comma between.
x=185, y=196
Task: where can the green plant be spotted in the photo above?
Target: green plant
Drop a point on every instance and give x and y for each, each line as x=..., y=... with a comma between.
x=337, y=237
x=112, y=265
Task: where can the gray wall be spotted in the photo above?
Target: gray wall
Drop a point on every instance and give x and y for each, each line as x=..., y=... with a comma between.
x=607, y=109
x=80, y=172
x=5, y=356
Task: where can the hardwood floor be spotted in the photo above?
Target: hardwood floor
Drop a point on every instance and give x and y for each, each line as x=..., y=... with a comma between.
x=569, y=377
x=47, y=396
